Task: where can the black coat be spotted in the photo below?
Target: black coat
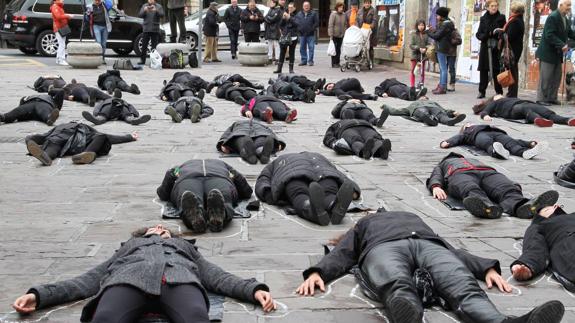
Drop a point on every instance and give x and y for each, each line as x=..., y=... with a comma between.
x=501, y=108
x=248, y=128
x=261, y=99
x=451, y=164
x=487, y=24
x=442, y=36
x=43, y=83
x=224, y=90
x=343, y=86
x=202, y=168
x=289, y=26
x=389, y=83
x=193, y=81
x=248, y=25
x=469, y=134
x=272, y=22
x=344, y=105
x=182, y=106
x=41, y=98
x=375, y=229
x=115, y=108
x=109, y=75
x=550, y=243
x=334, y=131
x=232, y=17
x=515, y=33
x=272, y=181
x=211, y=25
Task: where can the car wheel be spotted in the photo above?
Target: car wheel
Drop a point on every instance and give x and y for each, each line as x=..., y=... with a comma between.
x=46, y=43
x=28, y=50
x=192, y=40
x=138, y=45
x=122, y=51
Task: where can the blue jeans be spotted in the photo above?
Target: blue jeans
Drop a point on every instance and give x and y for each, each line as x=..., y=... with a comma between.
x=101, y=35
x=306, y=48
x=451, y=65
x=442, y=58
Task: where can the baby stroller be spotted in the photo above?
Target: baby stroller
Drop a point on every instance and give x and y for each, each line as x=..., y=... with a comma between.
x=355, y=49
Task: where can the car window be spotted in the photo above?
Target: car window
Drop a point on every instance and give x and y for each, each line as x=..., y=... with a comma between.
x=42, y=6
x=70, y=6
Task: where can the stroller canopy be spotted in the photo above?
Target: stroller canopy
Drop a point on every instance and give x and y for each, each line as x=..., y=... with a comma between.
x=354, y=40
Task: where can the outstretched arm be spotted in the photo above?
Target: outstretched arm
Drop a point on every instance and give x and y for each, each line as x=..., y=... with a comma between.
x=534, y=256
x=244, y=189
x=264, y=184
x=165, y=190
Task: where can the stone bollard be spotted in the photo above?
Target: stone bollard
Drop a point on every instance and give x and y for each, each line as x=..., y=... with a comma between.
x=253, y=54
x=85, y=54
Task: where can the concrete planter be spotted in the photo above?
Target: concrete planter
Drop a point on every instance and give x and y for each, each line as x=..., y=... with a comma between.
x=253, y=54
x=86, y=54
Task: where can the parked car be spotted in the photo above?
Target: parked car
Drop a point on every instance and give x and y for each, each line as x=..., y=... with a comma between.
x=192, y=27
x=27, y=25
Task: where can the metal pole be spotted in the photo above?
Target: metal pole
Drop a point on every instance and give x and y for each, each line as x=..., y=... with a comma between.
x=200, y=22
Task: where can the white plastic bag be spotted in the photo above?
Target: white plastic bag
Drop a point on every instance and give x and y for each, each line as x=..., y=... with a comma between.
x=331, y=48
x=155, y=60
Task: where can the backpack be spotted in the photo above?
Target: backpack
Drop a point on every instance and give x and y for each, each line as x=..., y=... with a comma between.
x=456, y=38
x=193, y=59
x=176, y=59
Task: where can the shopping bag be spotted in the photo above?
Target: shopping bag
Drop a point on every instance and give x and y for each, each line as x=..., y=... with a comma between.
x=155, y=60
x=331, y=48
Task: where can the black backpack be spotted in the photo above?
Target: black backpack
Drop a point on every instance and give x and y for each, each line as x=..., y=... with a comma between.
x=176, y=59
x=193, y=59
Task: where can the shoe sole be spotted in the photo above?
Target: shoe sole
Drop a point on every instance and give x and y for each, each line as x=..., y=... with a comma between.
x=500, y=150
x=291, y=116
x=141, y=120
x=367, y=148
x=248, y=153
x=550, y=312
x=428, y=121
x=385, y=149
x=382, y=117
x=192, y=213
x=403, y=311
x=457, y=119
x=36, y=151
x=216, y=210
x=53, y=116
x=343, y=198
x=545, y=199
x=195, y=115
x=421, y=92
x=478, y=208
x=176, y=117
x=268, y=115
x=267, y=150
x=543, y=123
x=540, y=147
x=317, y=200
x=240, y=101
x=84, y=158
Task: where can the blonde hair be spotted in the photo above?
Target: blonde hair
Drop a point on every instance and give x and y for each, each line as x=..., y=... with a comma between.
x=489, y=2
x=517, y=7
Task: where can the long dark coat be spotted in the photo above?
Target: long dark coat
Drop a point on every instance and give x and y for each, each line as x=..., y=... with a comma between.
x=487, y=24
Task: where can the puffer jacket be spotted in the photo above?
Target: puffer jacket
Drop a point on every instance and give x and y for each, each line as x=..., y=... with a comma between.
x=451, y=164
x=335, y=131
x=248, y=128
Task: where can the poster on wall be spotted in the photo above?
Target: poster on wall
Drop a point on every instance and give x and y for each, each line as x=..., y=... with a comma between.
x=468, y=52
x=541, y=10
x=391, y=24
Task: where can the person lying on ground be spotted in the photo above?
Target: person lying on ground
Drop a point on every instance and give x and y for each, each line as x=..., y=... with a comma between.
x=111, y=80
x=42, y=107
x=193, y=81
x=79, y=92
x=566, y=172
x=236, y=92
x=289, y=91
x=115, y=109
x=219, y=80
x=429, y=112
x=389, y=246
x=310, y=184
x=251, y=140
x=356, y=137
x=268, y=108
x=395, y=89
x=349, y=88
x=154, y=269
x=303, y=81
x=43, y=83
x=357, y=109
x=189, y=107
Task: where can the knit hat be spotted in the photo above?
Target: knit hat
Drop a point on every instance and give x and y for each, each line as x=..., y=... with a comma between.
x=443, y=12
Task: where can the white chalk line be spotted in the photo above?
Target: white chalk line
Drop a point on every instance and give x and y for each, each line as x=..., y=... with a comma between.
x=293, y=219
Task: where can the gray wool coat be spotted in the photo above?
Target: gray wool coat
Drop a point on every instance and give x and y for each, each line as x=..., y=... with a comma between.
x=141, y=263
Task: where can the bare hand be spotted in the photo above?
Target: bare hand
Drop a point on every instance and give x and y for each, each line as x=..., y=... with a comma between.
x=487, y=118
x=492, y=277
x=521, y=272
x=307, y=288
x=25, y=304
x=135, y=135
x=266, y=300
x=439, y=193
x=444, y=144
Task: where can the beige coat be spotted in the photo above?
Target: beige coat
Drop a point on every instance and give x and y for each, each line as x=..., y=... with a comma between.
x=337, y=24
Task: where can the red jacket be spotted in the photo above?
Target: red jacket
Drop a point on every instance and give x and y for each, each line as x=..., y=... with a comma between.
x=59, y=16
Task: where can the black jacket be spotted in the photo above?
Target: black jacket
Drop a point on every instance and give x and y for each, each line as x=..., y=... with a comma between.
x=183, y=104
x=272, y=22
x=151, y=23
x=550, y=242
x=211, y=25
x=515, y=34
x=198, y=168
x=375, y=229
x=334, y=131
x=442, y=36
x=115, y=108
x=307, y=23
x=289, y=26
x=502, y=108
x=271, y=183
x=193, y=81
x=487, y=24
x=232, y=17
x=389, y=83
x=469, y=134
x=344, y=85
x=111, y=75
x=43, y=83
x=344, y=105
x=453, y=163
x=42, y=98
x=248, y=25
x=247, y=128
x=224, y=90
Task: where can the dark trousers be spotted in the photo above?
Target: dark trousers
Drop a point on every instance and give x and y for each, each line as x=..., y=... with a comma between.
x=126, y=304
x=303, y=82
x=110, y=85
x=242, y=80
x=297, y=192
x=83, y=94
x=174, y=95
x=246, y=94
x=39, y=111
x=486, y=185
x=451, y=60
x=177, y=19
x=116, y=112
x=98, y=143
x=400, y=92
x=485, y=139
x=531, y=111
x=363, y=114
x=146, y=39
x=356, y=137
x=234, y=35
x=238, y=143
x=484, y=81
x=567, y=172
x=291, y=88
x=514, y=89
x=252, y=37
x=337, y=42
x=284, y=49
x=280, y=110
x=441, y=116
x=388, y=269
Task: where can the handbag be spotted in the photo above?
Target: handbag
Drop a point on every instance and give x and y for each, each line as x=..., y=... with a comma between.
x=65, y=31
x=431, y=53
x=505, y=78
x=285, y=40
x=331, y=51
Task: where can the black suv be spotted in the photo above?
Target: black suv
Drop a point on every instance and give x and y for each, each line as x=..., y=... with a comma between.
x=27, y=24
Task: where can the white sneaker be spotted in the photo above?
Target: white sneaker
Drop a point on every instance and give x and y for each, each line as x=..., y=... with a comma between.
x=63, y=63
x=536, y=150
x=499, y=150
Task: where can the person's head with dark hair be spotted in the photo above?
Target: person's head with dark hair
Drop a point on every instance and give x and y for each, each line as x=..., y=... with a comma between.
x=158, y=229
x=420, y=25
x=366, y=4
x=481, y=105
x=442, y=13
x=339, y=7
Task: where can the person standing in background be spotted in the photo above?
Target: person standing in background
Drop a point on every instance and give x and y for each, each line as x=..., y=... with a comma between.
x=59, y=26
x=232, y=20
x=100, y=24
x=151, y=12
x=515, y=29
x=336, y=29
x=442, y=37
x=272, y=23
x=211, y=29
x=418, y=46
x=252, y=18
x=307, y=21
x=177, y=12
x=367, y=16
x=351, y=14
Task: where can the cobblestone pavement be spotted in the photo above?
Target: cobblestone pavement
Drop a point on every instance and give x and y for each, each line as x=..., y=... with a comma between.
x=59, y=221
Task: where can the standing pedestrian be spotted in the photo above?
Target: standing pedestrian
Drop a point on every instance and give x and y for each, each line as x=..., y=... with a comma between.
x=177, y=12
x=418, y=45
x=367, y=18
x=252, y=18
x=61, y=29
x=272, y=23
x=151, y=12
x=351, y=14
x=515, y=29
x=289, y=30
x=443, y=46
x=211, y=29
x=336, y=29
x=232, y=20
x=491, y=20
x=100, y=24
x=307, y=21
x=552, y=48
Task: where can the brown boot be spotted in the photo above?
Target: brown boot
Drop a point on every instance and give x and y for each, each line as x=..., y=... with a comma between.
x=439, y=90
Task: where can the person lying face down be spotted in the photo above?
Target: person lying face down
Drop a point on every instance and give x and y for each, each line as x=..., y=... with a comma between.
x=251, y=140
x=566, y=172
x=429, y=112
x=43, y=107
x=477, y=184
x=356, y=137
x=79, y=92
x=111, y=80
x=268, y=108
x=548, y=244
x=236, y=92
x=303, y=81
x=496, y=142
x=43, y=83
x=115, y=109
x=519, y=109
x=153, y=269
x=189, y=107
x=205, y=192
x=78, y=140
x=357, y=109
x=395, y=89
x=184, y=84
x=389, y=246
x=349, y=88
x=290, y=91
x=310, y=184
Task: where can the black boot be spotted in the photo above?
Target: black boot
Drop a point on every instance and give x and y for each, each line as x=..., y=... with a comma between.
x=37, y=152
x=195, y=111
x=176, y=117
x=383, y=116
x=532, y=208
x=210, y=87
x=134, y=89
x=97, y=120
x=384, y=149
x=136, y=121
x=1, y=117
x=480, y=209
x=457, y=119
x=118, y=93
x=550, y=312
x=248, y=153
x=342, y=200
x=267, y=150
x=193, y=213
x=216, y=210
x=314, y=208
x=86, y=157
x=402, y=310
x=51, y=118
x=291, y=69
x=279, y=68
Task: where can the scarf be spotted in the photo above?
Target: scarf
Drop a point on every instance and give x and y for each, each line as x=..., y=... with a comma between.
x=511, y=18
